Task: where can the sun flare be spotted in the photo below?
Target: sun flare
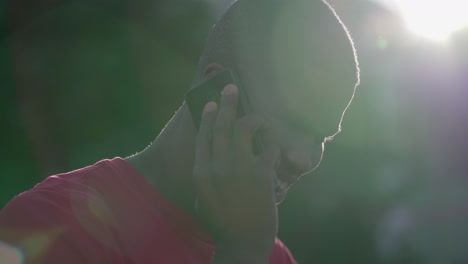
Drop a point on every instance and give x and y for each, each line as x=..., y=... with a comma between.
x=433, y=19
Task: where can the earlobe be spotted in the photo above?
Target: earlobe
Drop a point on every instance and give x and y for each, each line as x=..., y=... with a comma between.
x=212, y=69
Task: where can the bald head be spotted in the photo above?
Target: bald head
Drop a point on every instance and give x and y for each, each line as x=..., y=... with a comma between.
x=295, y=47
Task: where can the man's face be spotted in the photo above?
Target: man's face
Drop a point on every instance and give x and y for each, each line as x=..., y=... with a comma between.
x=301, y=110
x=300, y=83
x=302, y=101
x=299, y=143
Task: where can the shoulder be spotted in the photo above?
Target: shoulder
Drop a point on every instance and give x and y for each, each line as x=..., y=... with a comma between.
x=64, y=197
x=44, y=227
x=281, y=254
x=60, y=214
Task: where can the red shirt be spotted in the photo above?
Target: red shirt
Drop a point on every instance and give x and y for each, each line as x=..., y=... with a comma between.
x=105, y=213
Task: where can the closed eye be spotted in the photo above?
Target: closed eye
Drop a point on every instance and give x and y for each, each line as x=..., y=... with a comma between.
x=303, y=129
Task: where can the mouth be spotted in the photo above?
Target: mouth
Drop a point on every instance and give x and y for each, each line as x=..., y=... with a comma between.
x=284, y=180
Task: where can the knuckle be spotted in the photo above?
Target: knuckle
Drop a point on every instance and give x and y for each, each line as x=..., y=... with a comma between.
x=221, y=127
x=227, y=105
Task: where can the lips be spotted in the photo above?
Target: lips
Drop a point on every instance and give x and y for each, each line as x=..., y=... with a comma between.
x=282, y=185
x=286, y=179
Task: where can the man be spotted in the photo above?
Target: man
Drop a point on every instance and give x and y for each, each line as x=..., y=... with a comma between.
x=204, y=196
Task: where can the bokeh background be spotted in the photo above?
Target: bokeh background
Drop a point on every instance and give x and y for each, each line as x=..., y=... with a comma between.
x=85, y=80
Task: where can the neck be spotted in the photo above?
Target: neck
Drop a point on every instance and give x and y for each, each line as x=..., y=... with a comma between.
x=168, y=162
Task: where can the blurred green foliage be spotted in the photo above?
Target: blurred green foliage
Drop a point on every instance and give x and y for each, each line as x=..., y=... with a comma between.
x=86, y=80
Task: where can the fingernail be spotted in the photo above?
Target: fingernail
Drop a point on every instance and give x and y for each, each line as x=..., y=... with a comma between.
x=209, y=107
x=229, y=89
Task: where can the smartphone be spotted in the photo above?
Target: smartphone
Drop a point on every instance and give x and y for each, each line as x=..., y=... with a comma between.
x=210, y=91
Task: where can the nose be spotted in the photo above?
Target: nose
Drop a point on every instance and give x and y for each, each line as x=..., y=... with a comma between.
x=297, y=160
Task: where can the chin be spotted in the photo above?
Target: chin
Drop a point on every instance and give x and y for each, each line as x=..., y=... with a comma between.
x=280, y=195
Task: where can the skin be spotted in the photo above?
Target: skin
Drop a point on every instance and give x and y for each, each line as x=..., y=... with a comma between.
x=213, y=167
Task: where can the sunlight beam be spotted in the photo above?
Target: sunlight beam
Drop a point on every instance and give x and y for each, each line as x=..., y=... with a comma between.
x=433, y=19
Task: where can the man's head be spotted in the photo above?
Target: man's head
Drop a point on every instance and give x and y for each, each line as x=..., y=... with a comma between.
x=297, y=63
x=292, y=47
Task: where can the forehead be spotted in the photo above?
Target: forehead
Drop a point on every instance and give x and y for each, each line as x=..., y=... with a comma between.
x=310, y=74
x=299, y=104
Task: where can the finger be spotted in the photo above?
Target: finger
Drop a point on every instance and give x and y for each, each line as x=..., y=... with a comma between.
x=204, y=136
x=269, y=159
x=245, y=130
x=224, y=121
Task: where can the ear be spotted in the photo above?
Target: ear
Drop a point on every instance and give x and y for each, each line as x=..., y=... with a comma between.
x=212, y=69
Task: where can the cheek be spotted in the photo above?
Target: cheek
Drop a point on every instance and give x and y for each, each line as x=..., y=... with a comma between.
x=270, y=137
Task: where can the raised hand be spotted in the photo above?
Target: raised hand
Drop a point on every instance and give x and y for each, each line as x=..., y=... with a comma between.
x=236, y=198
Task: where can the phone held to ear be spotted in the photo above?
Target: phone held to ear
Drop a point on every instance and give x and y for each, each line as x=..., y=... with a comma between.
x=210, y=91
